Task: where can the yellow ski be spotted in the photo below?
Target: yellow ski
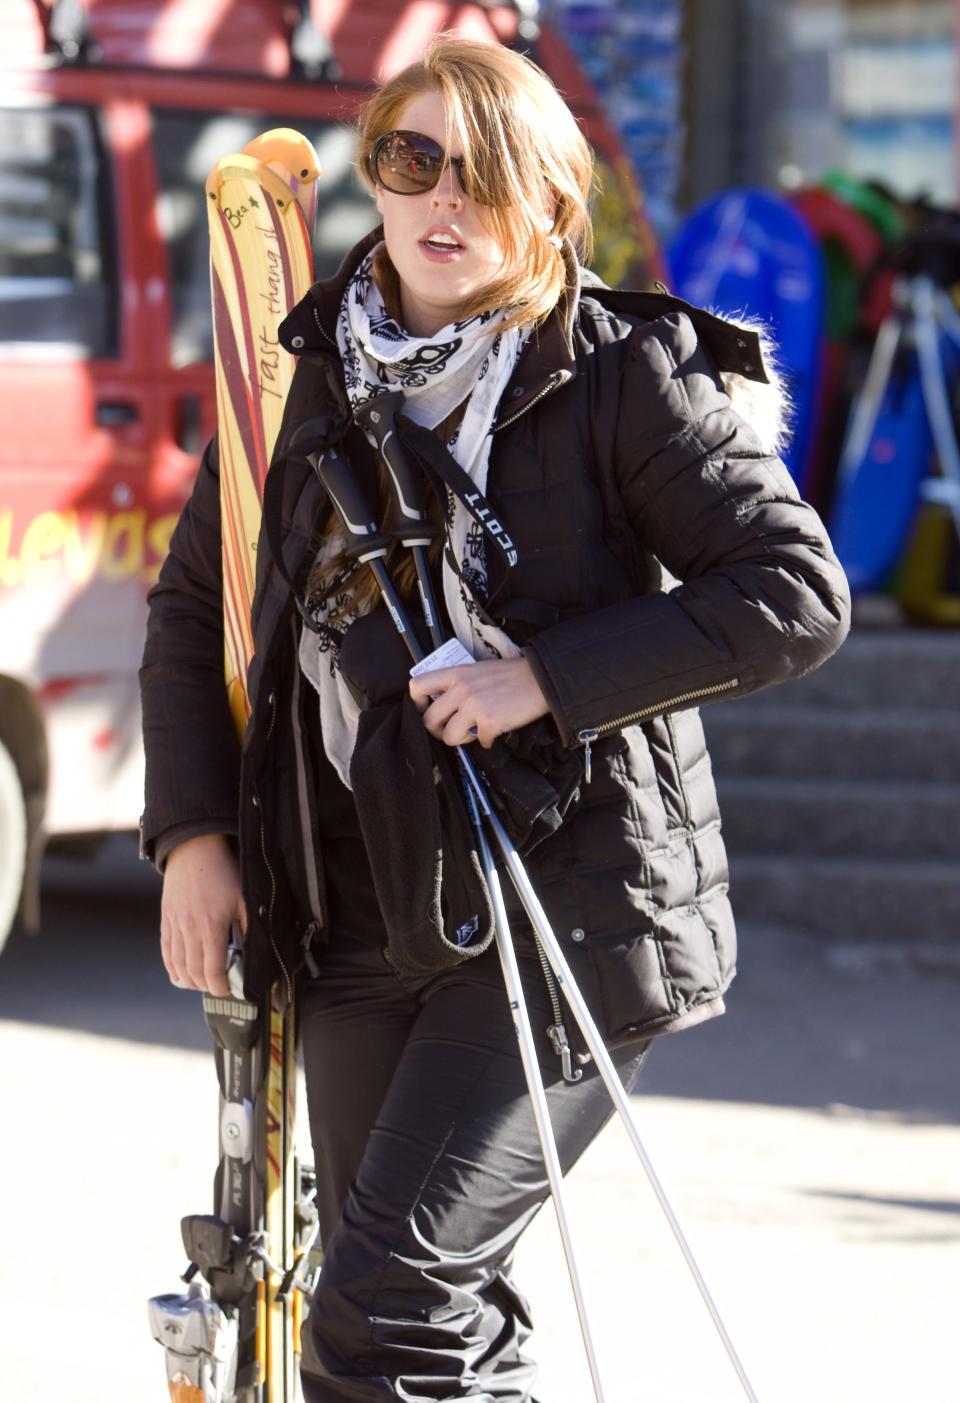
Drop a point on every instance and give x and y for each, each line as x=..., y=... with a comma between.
x=260, y=207
x=234, y=1336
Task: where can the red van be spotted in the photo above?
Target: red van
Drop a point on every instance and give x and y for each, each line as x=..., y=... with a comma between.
x=112, y=113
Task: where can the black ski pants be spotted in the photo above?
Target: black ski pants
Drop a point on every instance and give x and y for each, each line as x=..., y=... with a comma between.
x=429, y=1168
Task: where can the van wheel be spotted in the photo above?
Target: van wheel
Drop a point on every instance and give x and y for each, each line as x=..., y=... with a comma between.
x=13, y=841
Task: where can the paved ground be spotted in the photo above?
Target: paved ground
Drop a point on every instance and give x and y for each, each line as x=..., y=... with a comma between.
x=810, y=1141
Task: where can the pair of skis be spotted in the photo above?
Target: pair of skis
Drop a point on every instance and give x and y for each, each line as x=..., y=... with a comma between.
x=234, y=1335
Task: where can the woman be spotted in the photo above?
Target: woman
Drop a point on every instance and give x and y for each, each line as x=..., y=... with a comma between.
x=598, y=428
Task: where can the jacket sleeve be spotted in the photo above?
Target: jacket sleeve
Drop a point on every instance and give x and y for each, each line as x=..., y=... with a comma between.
x=759, y=596
x=190, y=741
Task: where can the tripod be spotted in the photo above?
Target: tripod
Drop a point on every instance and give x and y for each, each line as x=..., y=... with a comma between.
x=367, y=544
x=901, y=414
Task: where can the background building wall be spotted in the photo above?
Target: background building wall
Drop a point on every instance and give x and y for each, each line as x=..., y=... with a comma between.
x=736, y=56
x=708, y=94
x=871, y=88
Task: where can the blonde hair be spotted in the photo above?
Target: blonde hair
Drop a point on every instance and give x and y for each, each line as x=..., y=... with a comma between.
x=522, y=152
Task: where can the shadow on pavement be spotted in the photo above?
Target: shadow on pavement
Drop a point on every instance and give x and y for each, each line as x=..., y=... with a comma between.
x=802, y=1028
x=920, y=1205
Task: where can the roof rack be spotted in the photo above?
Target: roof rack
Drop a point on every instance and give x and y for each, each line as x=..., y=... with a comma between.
x=311, y=50
x=66, y=31
x=528, y=12
x=68, y=40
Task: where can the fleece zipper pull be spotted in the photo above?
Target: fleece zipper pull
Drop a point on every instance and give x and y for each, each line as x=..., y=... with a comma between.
x=309, y=959
x=586, y=739
x=557, y=1034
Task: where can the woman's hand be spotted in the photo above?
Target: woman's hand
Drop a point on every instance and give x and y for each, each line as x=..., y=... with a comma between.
x=201, y=897
x=478, y=701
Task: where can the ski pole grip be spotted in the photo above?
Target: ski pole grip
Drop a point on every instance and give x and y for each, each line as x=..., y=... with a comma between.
x=317, y=442
x=407, y=519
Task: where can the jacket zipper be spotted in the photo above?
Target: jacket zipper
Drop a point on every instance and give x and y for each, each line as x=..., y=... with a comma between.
x=557, y=1033
x=322, y=330
x=552, y=384
x=589, y=734
x=272, y=702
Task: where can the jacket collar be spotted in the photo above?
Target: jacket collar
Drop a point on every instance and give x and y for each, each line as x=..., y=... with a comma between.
x=311, y=327
x=548, y=358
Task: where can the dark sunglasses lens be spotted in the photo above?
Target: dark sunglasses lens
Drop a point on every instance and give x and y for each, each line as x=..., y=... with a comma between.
x=408, y=165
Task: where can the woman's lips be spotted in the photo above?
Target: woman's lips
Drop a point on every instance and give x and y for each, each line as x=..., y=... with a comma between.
x=441, y=250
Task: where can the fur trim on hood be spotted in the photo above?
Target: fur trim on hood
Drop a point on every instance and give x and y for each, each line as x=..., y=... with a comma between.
x=767, y=407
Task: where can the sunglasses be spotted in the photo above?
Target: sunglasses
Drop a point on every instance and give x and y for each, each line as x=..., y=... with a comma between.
x=407, y=163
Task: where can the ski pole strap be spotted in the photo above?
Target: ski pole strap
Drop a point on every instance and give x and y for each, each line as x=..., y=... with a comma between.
x=439, y=464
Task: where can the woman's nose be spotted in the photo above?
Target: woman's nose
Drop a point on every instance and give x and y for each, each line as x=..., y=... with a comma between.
x=447, y=189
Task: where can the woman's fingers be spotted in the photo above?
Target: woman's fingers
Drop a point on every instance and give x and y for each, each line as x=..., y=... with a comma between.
x=174, y=958
x=449, y=702
x=452, y=712
x=478, y=701
x=206, y=958
x=214, y=972
x=195, y=954
x=201, y=898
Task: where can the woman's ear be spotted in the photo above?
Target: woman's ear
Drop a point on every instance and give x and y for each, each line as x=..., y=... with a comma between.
x=550, y=219
x=551, y=207
x=379, y=197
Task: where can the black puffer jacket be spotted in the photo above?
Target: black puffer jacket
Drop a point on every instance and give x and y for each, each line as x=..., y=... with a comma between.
x=616, y=452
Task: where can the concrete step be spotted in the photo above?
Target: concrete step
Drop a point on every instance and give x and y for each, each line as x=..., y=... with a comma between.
x=850, y=899
x=840, y=793
x=863, y=743
x=880, y=668
x=794, y=819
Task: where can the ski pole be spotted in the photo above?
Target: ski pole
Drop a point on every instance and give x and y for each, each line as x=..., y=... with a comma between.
x=381, y=426
x=408, y=522
x=369, y=546
x=531, y=1071
x=608, y=1072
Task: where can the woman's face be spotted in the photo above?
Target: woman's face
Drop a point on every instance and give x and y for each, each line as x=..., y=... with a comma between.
x=437, y=241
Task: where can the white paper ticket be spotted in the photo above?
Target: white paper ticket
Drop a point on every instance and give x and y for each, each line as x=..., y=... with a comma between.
x=449, y=654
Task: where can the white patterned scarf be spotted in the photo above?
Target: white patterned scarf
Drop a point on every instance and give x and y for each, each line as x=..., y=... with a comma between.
x=465, y=363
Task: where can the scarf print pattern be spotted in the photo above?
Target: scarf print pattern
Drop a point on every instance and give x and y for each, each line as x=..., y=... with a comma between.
x=465, y=363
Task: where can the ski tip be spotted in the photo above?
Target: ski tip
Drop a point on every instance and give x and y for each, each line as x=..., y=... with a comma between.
x=242, y=173
x=282, y=161
x=282, y=146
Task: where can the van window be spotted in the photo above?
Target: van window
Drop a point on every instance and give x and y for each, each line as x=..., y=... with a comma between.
x=187, y=146
x=57, y=263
